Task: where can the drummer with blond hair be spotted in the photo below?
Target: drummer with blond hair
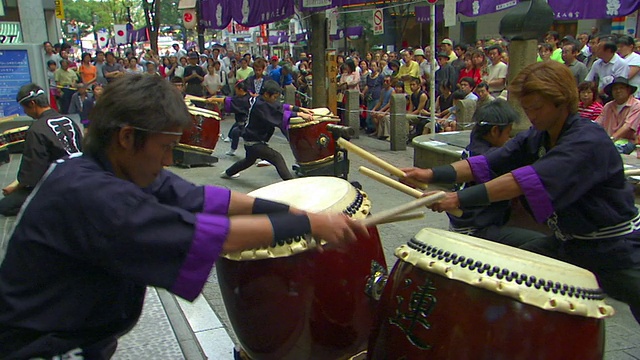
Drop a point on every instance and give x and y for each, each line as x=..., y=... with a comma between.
x=568, y=173
x=102, y=226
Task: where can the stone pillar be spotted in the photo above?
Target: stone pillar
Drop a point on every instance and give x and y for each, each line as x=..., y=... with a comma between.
x=352, y=112
x=521, y=54
x=290, y=94
x=318, y=45
x=34, y=28
x=398, y=128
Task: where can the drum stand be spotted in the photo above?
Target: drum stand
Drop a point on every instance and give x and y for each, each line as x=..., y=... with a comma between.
x=338, y=167
x=187, y=156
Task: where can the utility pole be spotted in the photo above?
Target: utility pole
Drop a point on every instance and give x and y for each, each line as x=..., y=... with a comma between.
x=199, y=27
x=130, y=27
x=94, y=18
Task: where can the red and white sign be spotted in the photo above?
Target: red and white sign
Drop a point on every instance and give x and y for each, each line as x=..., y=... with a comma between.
x=103, y=39
x=378, y=22
x=120, y=34
x=189, y=18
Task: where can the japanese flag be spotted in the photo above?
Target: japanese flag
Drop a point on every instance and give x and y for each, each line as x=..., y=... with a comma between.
x=120, y=34
x=103, y=39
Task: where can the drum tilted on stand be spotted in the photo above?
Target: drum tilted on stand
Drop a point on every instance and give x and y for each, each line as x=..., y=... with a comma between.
x=311, y=143
x=452, y=296
x=293, y=302
x=199, y=140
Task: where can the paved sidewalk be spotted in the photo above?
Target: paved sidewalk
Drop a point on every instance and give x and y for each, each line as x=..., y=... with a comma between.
x=171, y=328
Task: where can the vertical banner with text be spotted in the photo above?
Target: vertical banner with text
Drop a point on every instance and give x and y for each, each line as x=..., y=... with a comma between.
x=59, y=9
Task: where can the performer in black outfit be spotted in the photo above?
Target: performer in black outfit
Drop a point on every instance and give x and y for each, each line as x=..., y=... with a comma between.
x=238, y=105
x=265, y=115
x=51, y=137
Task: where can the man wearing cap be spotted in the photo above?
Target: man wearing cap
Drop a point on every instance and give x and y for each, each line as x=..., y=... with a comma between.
x=273, y=65
x=446, y=46
x=621, y=117
x=446, y=71
x=49, y=138
x=194, y=76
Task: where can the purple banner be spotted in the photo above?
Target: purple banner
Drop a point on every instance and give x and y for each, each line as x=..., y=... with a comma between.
x=423, y=14
x=216, y=14
x=140, y=35
x=477, y=8
x=256, y=12
x=352, y=32
x=592, y=9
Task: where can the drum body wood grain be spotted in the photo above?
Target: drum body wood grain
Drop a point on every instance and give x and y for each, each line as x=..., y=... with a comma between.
x=311, y=142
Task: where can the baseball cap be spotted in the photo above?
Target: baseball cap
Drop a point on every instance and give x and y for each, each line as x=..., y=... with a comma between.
x=274, y=58
x=447, y=41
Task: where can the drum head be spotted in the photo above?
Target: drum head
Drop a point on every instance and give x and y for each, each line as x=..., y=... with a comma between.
x=321, y=111
x=314, y=193
x=530, y=278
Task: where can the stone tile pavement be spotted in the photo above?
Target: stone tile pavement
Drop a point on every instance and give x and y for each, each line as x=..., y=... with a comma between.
x=171, y=328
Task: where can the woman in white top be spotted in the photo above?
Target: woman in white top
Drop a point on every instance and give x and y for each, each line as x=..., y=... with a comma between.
x=351, y=78
x=179, y=72
x=133, y=67
x=212, y=80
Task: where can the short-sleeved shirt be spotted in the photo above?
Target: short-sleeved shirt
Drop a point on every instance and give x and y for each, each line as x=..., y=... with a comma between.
x=106, y=68
x=194, y=85
x=87, y=73
x=412, y=70
x=242, y=74
x=579, y=71
x=633, y=60
x=606, y=72
x=613, y=118
x=496, y=71
x=65, y=77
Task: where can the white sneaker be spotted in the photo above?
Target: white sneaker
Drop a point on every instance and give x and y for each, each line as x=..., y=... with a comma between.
x=228, y=139
x=225, y=176
x=231, y=153
x=262, y=163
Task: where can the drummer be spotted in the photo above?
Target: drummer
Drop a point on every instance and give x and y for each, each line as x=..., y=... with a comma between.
x=74, y=281
x=239, y=105
x=569, y=174
x=265, y=115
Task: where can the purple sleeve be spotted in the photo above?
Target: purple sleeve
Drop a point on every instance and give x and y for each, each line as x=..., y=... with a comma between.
x=480, y=168
x=285, y=119
x=227, y=104
x=286, y=107
x=216, y=200
x=535, y=192
x=206, y=246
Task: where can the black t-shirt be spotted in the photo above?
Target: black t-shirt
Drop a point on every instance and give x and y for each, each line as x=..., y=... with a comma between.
x=50, y=137
x=194, y=85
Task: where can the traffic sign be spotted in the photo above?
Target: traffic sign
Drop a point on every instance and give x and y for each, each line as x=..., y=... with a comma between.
x=378, y=22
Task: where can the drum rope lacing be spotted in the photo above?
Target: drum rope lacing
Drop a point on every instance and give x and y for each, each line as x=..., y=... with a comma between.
x=510, y=276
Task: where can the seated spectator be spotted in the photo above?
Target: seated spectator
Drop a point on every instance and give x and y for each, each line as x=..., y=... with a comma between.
x=443, y=102
x=446, y=72
x=484, y=97
x=380, y=113
x=590, y=106
x=450, y=123
x=579, y=70
x=470, y=70
x=544, y=52
x=468, y=85
x=620, y=117
x=417, y=103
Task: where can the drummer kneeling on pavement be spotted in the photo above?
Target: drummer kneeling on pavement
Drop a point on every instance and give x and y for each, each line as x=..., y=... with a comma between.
x=116, y=221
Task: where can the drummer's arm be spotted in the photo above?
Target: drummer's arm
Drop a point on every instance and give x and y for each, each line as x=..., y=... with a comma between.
x=216, y=99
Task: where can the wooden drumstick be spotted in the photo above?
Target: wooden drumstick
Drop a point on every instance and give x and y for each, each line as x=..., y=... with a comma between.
x=399, y=186
x=632, y=172
x=403, y=217
x=399, y=210
x=196, y=98
x=378, y=162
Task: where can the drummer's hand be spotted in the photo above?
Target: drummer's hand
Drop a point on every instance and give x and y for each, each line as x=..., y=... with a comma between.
x=10, y=188
x=338, y=230
x=422, y=175
x=449, y=203
x=306, y=111
x=307, y=117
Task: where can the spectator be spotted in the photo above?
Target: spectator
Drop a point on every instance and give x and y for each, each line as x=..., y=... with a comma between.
x=49, y=54
x=65, y=77
x=282, y=75
x=589, y=107
x=179, y=71
x=460, y=51
x=484, y=97
x=583, y=44
x=443, y=102
x=621, y=116
x=244, y=71
x=446, y=72
x=496, y=76
x=87, y=70
x=544, y=52
x=150, y=69
x=81, y=103
x=410, y=69
x=273, y=65
x=569, y=55
x=470, y=70
x=553, y=38
x=99, y=64
x=626, y=45
x=179, y=52
x=112, y=70
x=380, y=116
x=372, y=94
x=608, y=66
x=134, y=67
x=417, y=103
x=193, y=76
x=468, y=85
x=64, y=54
x=212, y=81
x=446, y=46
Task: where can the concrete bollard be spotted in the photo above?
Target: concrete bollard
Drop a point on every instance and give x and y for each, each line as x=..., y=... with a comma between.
x=398, y=125
x=290, y=95
x=352, y=116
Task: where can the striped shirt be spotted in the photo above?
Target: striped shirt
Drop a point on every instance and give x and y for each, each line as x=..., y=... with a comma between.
x=590, y=112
